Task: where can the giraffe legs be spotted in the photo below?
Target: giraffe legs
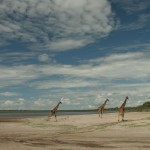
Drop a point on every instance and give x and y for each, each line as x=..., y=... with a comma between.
x=122, y=116
x=51, y=113
x=55, y=117
x=118, y=116
x=100, y=114
x=49, y=116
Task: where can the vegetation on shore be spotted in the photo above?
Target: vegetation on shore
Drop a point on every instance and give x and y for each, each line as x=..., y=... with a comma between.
x=142, y=108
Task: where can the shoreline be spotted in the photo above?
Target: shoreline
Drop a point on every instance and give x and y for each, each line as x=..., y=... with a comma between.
x=59, y=113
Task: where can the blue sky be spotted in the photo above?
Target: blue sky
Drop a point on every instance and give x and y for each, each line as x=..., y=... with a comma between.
x=83, y=50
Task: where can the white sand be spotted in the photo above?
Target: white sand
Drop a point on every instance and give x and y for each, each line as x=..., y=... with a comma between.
x=85, y=132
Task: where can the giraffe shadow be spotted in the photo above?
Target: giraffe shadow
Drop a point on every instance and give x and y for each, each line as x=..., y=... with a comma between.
x=125, y=120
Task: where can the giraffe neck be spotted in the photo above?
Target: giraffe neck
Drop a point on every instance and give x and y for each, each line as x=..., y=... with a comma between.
x=56, y=107
x=124, y=103
x=105, y=103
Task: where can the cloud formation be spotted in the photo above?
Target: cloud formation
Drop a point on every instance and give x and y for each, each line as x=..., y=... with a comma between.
x=136, y=8
x=7, y=94
x=116, y=66
x=12, y=104
x=133, y=6
x=67, y=23
x=43, y=58
x=32, y=31
x=113, y=76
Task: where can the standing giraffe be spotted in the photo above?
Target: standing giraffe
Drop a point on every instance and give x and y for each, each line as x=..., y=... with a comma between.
x=53, y=111
x=122, y=109
x=101, y=107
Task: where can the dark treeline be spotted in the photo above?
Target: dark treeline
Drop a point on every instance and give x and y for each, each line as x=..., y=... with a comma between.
x=143, y=107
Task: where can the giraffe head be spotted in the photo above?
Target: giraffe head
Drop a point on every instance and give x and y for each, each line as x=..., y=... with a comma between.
x=60, y=102
x=127, y=97
x=107, y=99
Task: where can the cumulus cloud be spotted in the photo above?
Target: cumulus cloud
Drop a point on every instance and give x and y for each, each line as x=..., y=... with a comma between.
x=117, y=66
x=56, y=24
x=113, y=76
x=8, y=103
x=43, y=58
x=66, y=101
x=41, y=102
x=16, y=75
x=66, y=83
x=12, y=103
x=9, y=94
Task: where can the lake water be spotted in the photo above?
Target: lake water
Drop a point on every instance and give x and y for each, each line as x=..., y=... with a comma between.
x=34, y=114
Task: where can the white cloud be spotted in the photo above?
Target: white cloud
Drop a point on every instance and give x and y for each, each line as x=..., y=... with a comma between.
x=21, y=101
x=127, y=66
x=42, y=102
x=56, y=25
x=142, y=21
x=16, y=75
x=91, y=106
x=91, y=82
x=136, y=8
x=71, y=83
x=13, y=104
x=133, y=6
x=65, y=44
x=8, y=103
x=9, y=94
x=43, y=58
x=66, y=101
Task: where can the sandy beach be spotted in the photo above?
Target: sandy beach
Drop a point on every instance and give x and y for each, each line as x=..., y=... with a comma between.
x=82, y=132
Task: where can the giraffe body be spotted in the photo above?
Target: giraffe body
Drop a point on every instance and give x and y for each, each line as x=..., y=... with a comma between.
x=122, y=109
x=53, y=111
x=101, y=108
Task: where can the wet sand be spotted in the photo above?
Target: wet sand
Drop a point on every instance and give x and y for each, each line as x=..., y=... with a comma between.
x=82, y=132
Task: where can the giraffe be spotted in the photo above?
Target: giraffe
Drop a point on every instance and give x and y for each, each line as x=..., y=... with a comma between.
x=101, y=107
x=122, y=109
x=54, y=110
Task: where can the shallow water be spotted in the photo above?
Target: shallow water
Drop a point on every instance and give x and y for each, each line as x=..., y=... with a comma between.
x=32, y=114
